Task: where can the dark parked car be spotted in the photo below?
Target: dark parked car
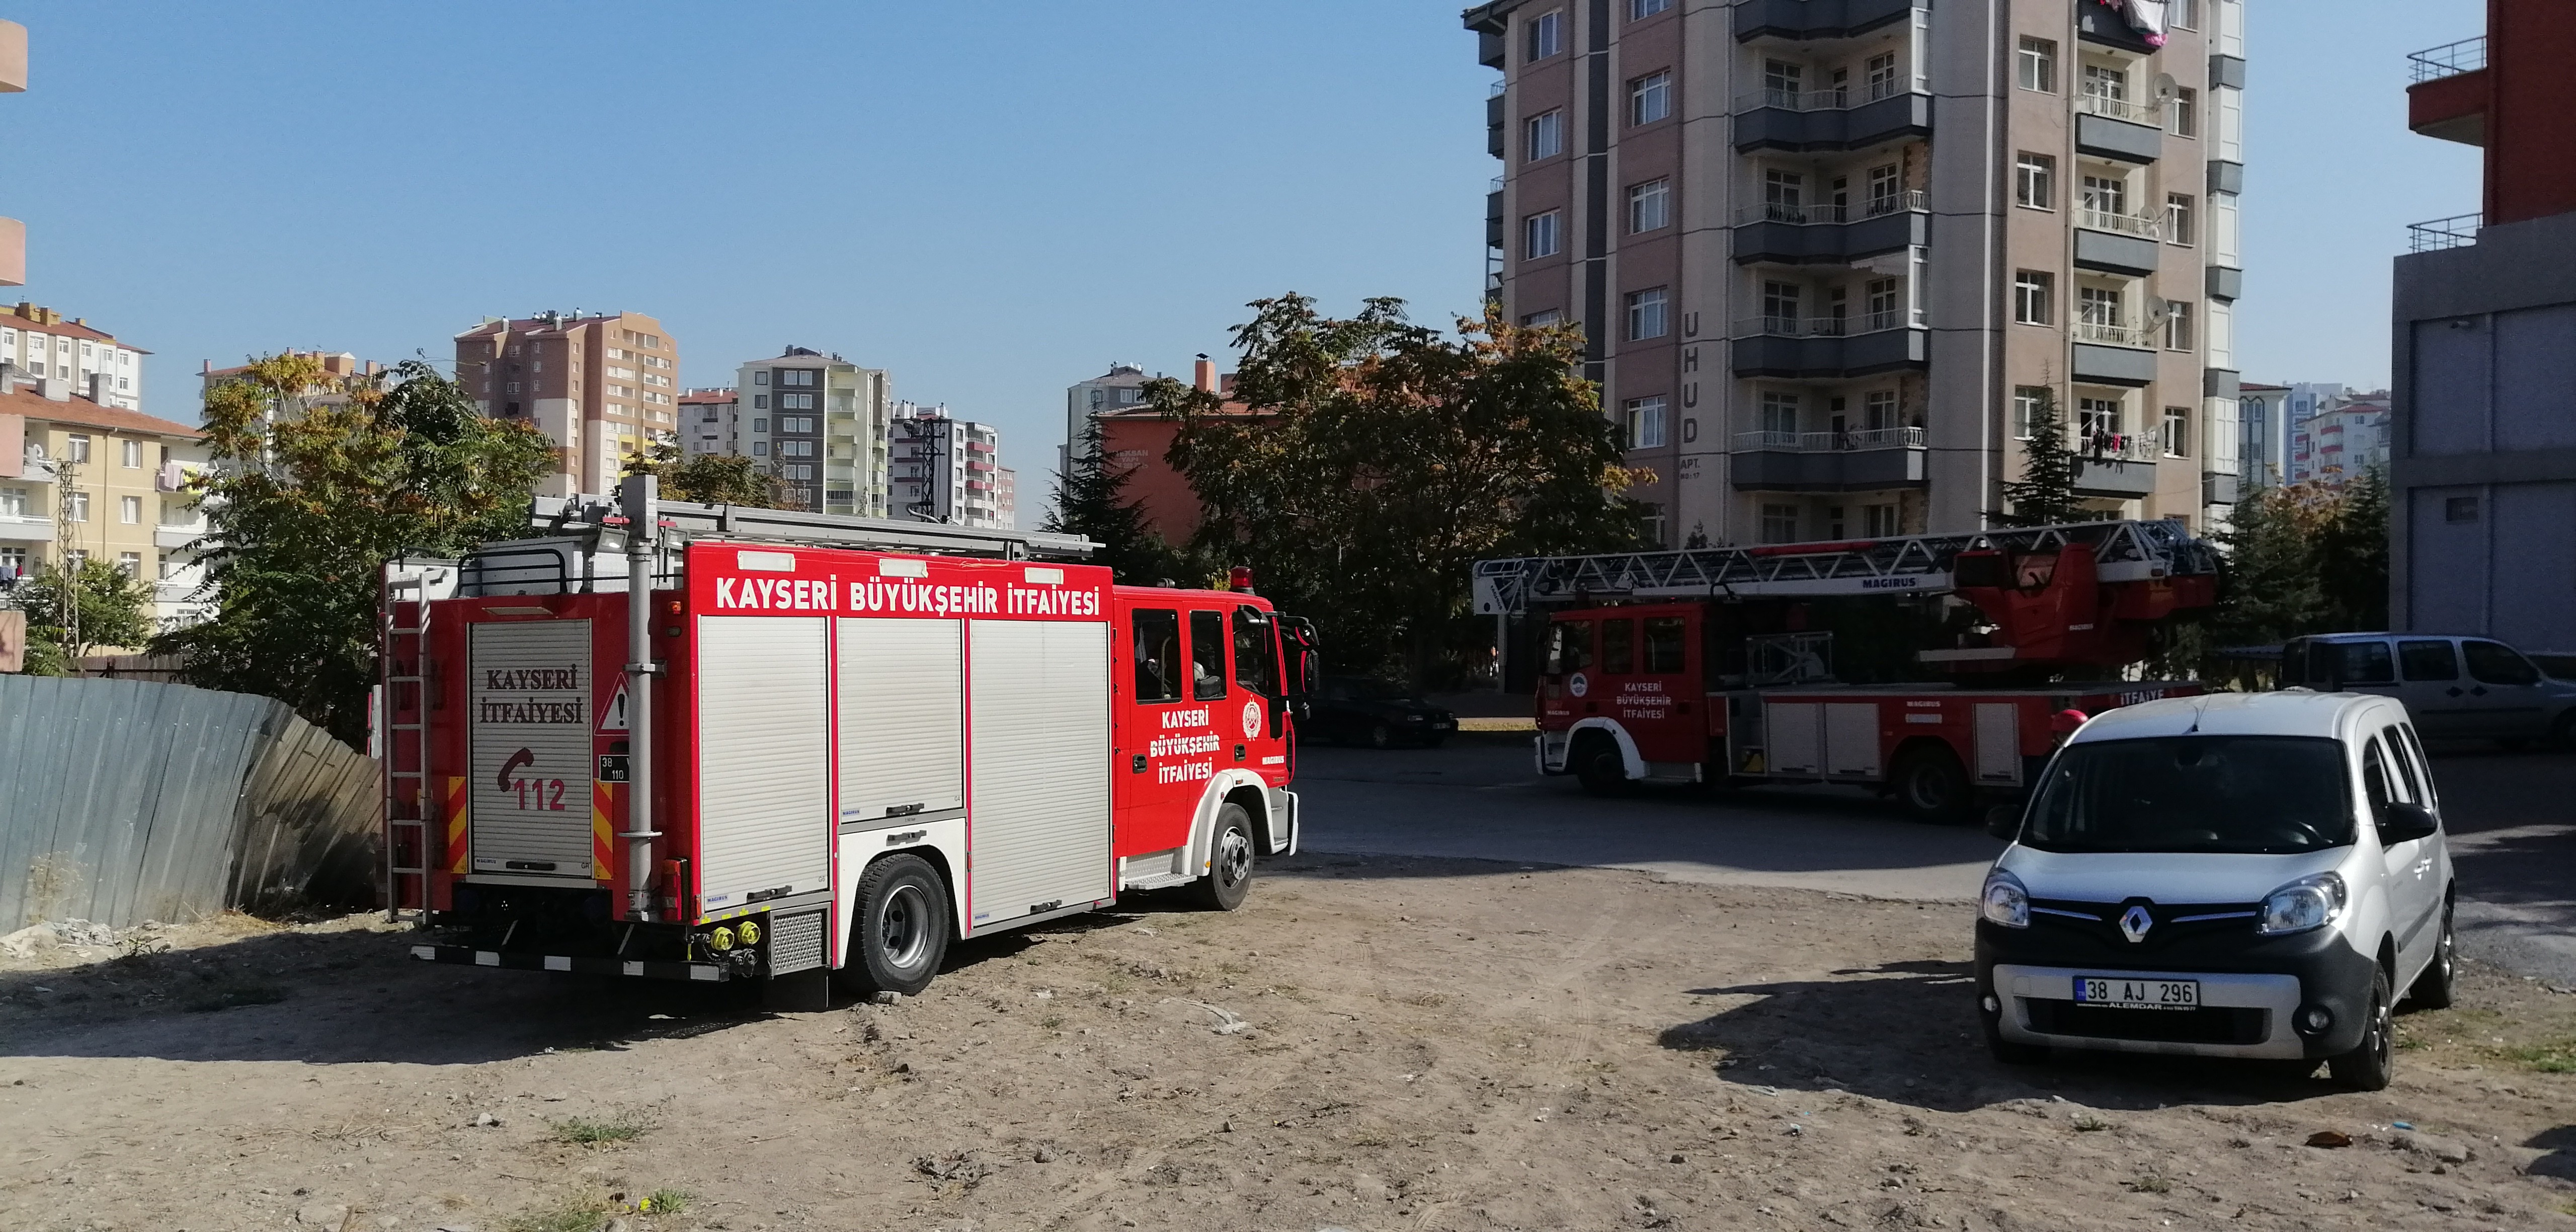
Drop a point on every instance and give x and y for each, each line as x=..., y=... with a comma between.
x=1357, y=710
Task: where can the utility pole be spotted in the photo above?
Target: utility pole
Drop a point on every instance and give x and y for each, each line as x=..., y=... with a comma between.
x=66, y=470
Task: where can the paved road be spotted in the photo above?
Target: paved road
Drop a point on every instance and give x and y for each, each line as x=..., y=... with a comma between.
x=2512, y=816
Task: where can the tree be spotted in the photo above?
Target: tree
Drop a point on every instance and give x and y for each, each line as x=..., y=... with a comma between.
x=2352, y=552
x=71, y=612
x=1368, y=462
x=1091, y=501
x=709, y=479
x=2045, y=493
x=302, y=508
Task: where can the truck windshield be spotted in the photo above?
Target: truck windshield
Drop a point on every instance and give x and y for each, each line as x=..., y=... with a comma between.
x=2235, y=794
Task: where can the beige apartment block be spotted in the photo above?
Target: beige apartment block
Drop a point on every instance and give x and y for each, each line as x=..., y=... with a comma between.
x=818, y=422
x=601, y=386
x=40, y=343
x=84, y=481
x=1828, y=253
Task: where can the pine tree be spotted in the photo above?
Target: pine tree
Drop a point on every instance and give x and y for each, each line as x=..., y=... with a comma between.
x=2352, y=555
x=1090, y=501
x=2045, y=493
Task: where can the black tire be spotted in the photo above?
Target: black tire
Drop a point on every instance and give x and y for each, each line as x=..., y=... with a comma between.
x=2513, y=744
x=1933, y=786
x=1381, y=736
x=901, y=935
x=2562, y=734
x=1229, y=875
x=2368, y=1065
x=1433, y=742
x=2432, y=990
x=2005, y=1051
x=1598, y=767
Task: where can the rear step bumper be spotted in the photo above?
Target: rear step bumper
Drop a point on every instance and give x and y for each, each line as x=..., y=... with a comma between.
x=467, y=955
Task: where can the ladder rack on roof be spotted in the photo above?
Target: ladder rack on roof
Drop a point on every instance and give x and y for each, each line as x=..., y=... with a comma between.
x=2126, y=551
x=574, y=515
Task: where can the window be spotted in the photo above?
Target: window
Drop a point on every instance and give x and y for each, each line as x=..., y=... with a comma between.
x=13, y=562
x=1650, y=205
x=1156, y=636
x=133, y=454
x=2178, y=219
x=760, y=425
x=2035, y=181
x=760, y=402
x=2428, y=660
x=2106, y=83
x=760, y=378
x=2460, y=509
x=1646, y=314
x=2183, y=13
x=1569, y=646
x=1882, y=297
x=760, y=449
x=1539, y=235
x=2035, y=297
x=2098, y=417
x=2177, y=437
x=76, y=447
x=1780, y=307
x=129, y=510
x=1879, y=522
x=2106, y=194
x=1639, y=10
x=2178, y=329
x=1880, y=76
x=1546, y=35
x=2038, y=64
x=1650, y=98
x=2182, y=114
x=1779, y=524
x=1779, y=413
x=2027, y=400
x=797, y=423
x=75, y=558
x=1663, y=644
x=1878, y=410
x=709, y=416
x=76, y=506
x=1256, y=653
x=2098, y=306
x=1646, y=423
x=1784, y=196
x=795, y=402
x=797, y=376
x=1207, y=656
x=2497, y=663
x=1543, y=318
x=1883, y=191
x=130, y=564
x=13, y=502
x=1546, y=136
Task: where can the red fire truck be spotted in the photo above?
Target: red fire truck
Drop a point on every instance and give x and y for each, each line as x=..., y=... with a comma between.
x=1704, y=666
x=817, y=744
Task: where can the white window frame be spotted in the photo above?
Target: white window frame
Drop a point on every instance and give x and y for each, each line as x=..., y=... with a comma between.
x=2032, y=169
x=1546, y=130
x=1542, y=235
x=1646, y=422
x=1653, y=91
x=1650, y=206
x=1546, y=36
x=2035, y=60
x=1650, y=306
x=2034, y=288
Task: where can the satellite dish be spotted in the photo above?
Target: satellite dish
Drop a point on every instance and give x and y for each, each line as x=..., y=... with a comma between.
x=2165, y=87
x=2158, y=308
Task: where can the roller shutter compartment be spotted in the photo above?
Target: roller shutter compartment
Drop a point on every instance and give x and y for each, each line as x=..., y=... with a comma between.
x=529, y=793
x=764, y=759
x=1038, y=745
x=902, y=711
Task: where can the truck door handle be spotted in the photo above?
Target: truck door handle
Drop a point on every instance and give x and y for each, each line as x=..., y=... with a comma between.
x=1136, y=764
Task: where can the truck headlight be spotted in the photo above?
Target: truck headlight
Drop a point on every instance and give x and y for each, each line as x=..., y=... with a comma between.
x=2309, y=902
x=2004, y=901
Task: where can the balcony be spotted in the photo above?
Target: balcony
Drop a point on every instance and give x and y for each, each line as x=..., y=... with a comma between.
x=1831, y=234
x=2098, y=23
x=1816, y=19
x=2114, y=354
x=2117, y=243
x=2469, y=55
x=177, y=538
x=20, y=528
x=2118, y=129
x=2457, y=231
x=2450, y=92
x=1828, y=346
x=1797, y=120
x=2122, y=466
x=1828, y=461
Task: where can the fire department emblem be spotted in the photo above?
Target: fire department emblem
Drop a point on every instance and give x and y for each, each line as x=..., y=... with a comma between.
x=1577, y=684
x=1251, y=719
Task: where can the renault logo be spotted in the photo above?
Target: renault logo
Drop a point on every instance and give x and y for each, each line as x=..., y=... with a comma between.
x=2135, y=922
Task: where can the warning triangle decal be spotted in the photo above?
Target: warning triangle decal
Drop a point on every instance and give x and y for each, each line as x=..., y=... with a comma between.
x=612, y=717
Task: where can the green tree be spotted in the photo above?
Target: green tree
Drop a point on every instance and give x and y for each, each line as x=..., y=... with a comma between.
x=1365, y=463
x=2045, y=493
x=709, y=479
x=304, y=505
x=2352, y=555
x=72, y=612
x=1091, y=501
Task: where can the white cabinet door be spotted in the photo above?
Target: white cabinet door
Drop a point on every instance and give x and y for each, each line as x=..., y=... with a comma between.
x=1795, y=734
x=902, y=708
x=528, y=809
x=764, y=759
x=1998, y=727
x=1851, y=739
x=1037, y=810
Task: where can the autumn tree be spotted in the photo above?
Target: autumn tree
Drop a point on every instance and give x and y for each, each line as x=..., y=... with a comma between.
x=709, y=479
x=1362, y=465
x=307, y=499
x=73, y=610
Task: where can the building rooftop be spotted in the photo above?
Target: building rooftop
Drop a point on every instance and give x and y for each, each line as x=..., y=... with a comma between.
x=31, y=316
x=81, y=412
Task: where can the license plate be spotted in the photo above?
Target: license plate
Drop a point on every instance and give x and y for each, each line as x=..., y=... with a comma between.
x=1444, y=726
x=2128, y=993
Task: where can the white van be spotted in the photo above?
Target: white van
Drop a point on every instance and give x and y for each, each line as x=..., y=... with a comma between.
x=2459, y=688
x=2237, y=875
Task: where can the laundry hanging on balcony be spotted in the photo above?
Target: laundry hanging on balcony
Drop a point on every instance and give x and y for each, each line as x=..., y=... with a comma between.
x=2147, y=17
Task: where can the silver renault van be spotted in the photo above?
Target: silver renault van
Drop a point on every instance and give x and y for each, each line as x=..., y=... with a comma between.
x=2235, y=875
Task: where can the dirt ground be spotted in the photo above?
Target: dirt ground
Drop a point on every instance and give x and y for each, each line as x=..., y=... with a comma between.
x=1429, y=1045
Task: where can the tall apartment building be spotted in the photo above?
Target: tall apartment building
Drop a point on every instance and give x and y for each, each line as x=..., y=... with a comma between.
x=946, y=469
x=1006, y=496
x=1828, y=254
x=820, y=422
x=708, y=419
x=38, y=342
x=2482, y=523
x=602, y=386
x=81, y=480
x=2335, y=435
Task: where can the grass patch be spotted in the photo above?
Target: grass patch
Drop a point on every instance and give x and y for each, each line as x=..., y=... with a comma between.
x=2087, y=1123
x=665, y=1202
x=1051, y=1021
x=570, y=1215
x=2149, y=1183
x=234, y=996
x=2556, y=1057
x=584, y=1131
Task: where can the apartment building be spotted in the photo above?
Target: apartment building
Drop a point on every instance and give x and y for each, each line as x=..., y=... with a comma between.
x=707, y=421
x=1121, y=387
x=601, y=386
x=13, y=80
x=946, y=469
x=2262, y=434
x=2335, y=434
x=37, y=342
x=2482, y=524
x=1830, y=255
x=819, y=421
x=342, y=375
x=1006, y=496
x=82, y=480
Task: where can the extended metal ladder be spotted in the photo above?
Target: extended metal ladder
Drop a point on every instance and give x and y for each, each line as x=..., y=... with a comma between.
x=410, y=803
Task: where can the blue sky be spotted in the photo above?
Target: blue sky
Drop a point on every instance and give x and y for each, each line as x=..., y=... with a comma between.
x=992, y=200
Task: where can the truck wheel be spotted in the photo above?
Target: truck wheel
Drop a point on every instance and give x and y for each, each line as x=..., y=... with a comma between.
x=2432, y=990
x=1933, y=786
x=2366, y=1068
x=1598, y=767
x=1229, y=875
x=901, y=934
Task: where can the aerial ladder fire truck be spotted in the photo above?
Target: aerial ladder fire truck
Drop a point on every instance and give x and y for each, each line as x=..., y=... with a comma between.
x=1709, y=665
x=713, y=743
